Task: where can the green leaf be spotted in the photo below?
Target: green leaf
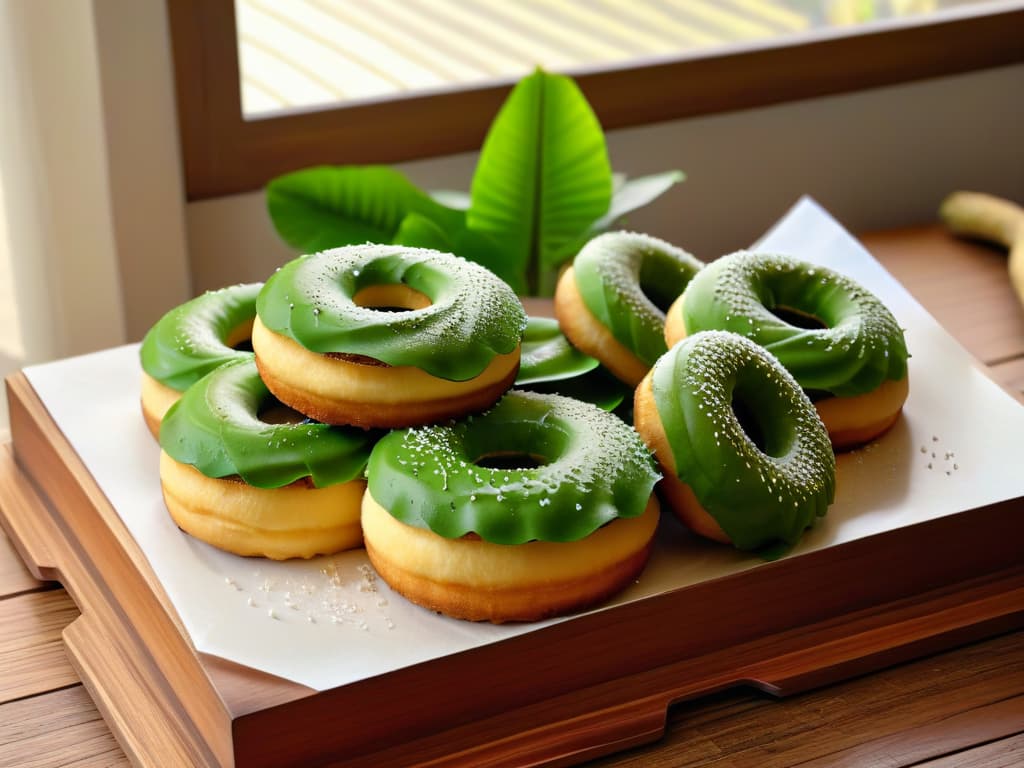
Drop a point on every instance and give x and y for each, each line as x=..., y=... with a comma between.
x=598, y=387
x=627, y=196
x=418, y=231
x=543, y=175
x=327, y=206
x=632, y=194
x=546, y=355
x=487, y=251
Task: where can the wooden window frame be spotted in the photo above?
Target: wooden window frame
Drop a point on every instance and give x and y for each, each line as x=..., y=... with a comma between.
x=225, y=154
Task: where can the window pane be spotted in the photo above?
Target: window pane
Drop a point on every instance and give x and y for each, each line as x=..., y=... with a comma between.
x=313, y=54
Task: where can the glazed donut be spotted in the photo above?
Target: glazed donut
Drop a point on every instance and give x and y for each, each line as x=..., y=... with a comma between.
x=327, y=345
x=837, y=339
x=549, y=363
x=610, y=303
x=745, y=458
x=243, y=473
x=190, y=341
x=540, y=506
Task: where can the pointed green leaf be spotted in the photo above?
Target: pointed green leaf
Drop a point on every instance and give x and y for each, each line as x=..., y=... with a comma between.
x=547, y=355
x=632, y=194
x=418, y=231
x=486, y=250
x=628, y=195
x=543, y=175
x=327, y=206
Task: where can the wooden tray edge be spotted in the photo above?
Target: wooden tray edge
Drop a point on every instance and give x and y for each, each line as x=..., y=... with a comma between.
x=155, y=703
x=604, y=723
x=572, y=725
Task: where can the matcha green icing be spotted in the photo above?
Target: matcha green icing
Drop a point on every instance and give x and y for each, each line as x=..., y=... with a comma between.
x=853, y=342
x=592, y=469
x=190, y=341
x=217, y=426
x=628, y=280
x=473, y=315
x=745, y=438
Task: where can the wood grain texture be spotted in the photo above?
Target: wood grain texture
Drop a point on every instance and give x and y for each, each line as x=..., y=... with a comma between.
x=61, y=728
x=32, y=658
x=1005, y=753
x=1010, y=376
x=979, y=307
x=944, y=732
x=594, y=721
x=896, y=717
x=139, y=617
x=14, y=576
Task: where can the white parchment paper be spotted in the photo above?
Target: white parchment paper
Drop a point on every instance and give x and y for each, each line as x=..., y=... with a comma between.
x=330, y=621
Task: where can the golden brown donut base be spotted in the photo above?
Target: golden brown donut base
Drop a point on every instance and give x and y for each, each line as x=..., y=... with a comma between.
x=502, y=583
x=390, y=415
x=853, y=421
x=675, y=326
x=501, y=606
x=366, y=393
x=850, y=421
x=231, y=515
x=677, y=494
x=156, y=399
x=587, y=334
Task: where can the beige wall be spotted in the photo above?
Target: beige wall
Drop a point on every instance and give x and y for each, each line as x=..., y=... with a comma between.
x=144, y=170
x=56, y=197
x=92, y=192
x=875, y=159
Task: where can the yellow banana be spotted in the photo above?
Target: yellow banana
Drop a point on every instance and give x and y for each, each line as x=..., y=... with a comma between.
x=974, y=214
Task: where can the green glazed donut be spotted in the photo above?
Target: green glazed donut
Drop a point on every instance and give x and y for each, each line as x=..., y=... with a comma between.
x=242, y=473
x=593, y=469
x=832, y=334
x=549, y=363
x=468, y=314
x=740, y=436
x=612, y=302
x=195, y=337
x=190, y=341
x=217, y=428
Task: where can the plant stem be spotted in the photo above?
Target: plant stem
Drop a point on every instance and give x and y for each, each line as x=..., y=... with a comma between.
x=546, y=281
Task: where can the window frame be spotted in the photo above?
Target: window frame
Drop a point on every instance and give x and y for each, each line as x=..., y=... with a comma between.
x=225, y=154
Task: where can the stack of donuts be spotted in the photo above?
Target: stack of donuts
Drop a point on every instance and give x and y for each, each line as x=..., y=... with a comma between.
x=750, y=373
x=374, y=410
x=363, y=396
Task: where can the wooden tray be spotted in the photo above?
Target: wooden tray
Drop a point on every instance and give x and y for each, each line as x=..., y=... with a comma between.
x=572, y=691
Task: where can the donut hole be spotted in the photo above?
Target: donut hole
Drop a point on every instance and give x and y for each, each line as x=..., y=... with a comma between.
x=391, y=297
x=510, y=460
x=515, y=445
x=240, y=337
x=749, y=423
x=798, y=318
x=656, y=289
x=275, y=412
x=762, y=417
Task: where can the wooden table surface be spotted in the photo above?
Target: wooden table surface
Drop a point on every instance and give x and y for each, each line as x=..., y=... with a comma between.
x=961, y=708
